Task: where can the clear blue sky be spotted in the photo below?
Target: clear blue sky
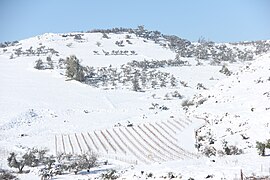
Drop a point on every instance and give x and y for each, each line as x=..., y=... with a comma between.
x=216, y=20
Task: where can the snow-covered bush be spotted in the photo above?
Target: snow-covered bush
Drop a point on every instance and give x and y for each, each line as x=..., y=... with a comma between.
x=201, y=86
x=110, y=175
x=6, y=175
x=11, y=56
x=39, y=64
x=176, y=94
x=187, y=103
x=49, y=62
x=225, y=70
x=98, y=43
x=209, y=151
x=104, y=35
x=78, y=37
x=229, y=149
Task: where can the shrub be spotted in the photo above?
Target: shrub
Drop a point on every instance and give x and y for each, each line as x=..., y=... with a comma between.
x=104, y=35
x=201, y=86
x=39, y=64
x=6, y=175
x=176, y=94
x=11, y=56
x=231, y=150
x=69, y=45
x=209, y=151
x=98, y=44
x=49, y=62
x=225, y=70
x=128, y=36
x=201, y=101
x=110, y=175
x=187, y=103
x=77, y=37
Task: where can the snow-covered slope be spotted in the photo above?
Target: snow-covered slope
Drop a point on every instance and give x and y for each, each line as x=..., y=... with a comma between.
x=237, y=108
x=156, y=125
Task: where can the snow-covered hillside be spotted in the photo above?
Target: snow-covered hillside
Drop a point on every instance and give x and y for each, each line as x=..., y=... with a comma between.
x=237, y=108
x=144, y=103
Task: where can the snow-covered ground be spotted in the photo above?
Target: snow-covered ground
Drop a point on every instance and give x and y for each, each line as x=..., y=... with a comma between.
x=39, y=107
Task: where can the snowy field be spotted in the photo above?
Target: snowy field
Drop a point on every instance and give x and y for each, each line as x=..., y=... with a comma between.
x=43, y=109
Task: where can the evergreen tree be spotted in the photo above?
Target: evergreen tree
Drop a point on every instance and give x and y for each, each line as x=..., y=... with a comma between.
x=73, y=69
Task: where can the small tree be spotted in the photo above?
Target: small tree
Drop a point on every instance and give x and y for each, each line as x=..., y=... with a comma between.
x=49, y=62
x=39, y=64
x=262, y=146
x=14, y=163
x=135, y=83
x=74, y=69
x=48, y=161
x=30, y=159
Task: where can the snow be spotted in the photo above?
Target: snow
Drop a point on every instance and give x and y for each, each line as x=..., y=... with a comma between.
x=37, y=107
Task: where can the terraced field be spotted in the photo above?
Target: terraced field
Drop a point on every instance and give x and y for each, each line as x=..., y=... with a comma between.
x=144, y=143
